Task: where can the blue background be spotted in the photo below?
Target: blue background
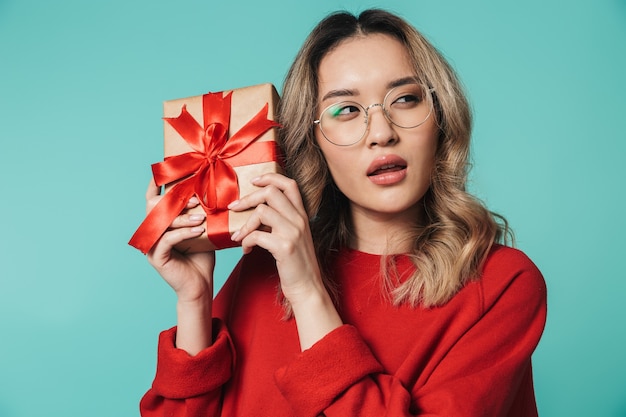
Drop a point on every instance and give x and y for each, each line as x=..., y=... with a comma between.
x=81, y=86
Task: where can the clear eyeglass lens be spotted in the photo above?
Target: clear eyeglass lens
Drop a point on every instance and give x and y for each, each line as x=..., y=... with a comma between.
x=406, y=106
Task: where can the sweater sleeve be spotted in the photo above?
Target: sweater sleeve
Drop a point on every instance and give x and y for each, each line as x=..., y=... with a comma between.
x=339, y=376
x=188, y=385
x=486, y=372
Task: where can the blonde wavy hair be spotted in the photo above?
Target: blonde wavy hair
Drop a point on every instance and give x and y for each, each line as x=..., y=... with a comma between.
x=459, y=231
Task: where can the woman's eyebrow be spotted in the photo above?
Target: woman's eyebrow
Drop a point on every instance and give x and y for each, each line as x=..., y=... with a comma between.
x=340, y=93
x=402, y=81
x=345, y=92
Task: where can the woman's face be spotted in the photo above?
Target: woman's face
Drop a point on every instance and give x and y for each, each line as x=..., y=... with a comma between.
x=387, y=173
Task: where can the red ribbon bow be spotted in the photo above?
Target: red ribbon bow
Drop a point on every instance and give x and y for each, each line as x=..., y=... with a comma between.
x=207, y=172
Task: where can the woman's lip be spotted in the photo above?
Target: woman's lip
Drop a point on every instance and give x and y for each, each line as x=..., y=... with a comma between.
x=386, y=161
x=388, y=177
x=387, y=170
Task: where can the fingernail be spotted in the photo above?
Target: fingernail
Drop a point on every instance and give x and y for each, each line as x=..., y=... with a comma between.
x=194, y=200
x=233, y=204
x=255, y=180
x=197, y=229
x=196, y=217
x=235, y=235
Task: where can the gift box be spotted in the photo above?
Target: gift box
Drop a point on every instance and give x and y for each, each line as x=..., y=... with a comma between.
x=214, y=144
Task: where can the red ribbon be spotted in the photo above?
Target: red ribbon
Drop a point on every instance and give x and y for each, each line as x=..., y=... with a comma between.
x=207, y=172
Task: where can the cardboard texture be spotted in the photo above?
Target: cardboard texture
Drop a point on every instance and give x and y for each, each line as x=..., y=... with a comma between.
x=246, y=103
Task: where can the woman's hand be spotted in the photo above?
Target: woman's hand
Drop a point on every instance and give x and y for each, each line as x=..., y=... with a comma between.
x=287, y=236
x=190, y=275
x=279, y=224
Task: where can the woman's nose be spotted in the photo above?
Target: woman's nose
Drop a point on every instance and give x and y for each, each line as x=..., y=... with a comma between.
x=380, y=131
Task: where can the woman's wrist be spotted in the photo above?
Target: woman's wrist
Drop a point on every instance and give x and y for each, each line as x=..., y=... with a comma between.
x=315, y=316
x=194, y=331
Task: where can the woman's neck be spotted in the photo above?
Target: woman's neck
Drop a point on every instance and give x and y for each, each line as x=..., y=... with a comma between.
x=384, y=233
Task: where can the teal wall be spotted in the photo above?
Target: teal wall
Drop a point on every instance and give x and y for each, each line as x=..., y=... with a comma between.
x=81, y=86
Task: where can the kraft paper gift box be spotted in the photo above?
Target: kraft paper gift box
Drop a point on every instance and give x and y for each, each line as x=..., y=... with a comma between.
x=214, y=145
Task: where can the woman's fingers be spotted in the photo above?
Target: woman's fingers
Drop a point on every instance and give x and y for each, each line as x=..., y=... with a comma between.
x=272, y=210
x=288, y=230
x=270, y=183
x=184, y=226
x=278, y=192
x=153, y=196
x=287, y=185
x=188, y=220
x=174, y=237
x=161, y=252
x=277, y=206
x=153, y=189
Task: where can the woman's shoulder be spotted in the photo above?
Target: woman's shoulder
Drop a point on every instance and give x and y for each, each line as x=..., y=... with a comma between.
x=509, y=270
x=503, y=258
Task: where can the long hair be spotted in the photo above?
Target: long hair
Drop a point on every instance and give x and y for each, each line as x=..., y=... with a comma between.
x=449, y=249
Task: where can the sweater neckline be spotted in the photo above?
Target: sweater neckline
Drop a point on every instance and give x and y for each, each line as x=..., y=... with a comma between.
x=361, y=254
x=372, y=260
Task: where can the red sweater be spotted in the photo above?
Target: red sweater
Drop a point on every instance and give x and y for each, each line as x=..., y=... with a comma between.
x=470, y=357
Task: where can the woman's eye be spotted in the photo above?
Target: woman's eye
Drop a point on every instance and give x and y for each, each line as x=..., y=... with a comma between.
x=343, y=111
x=408, y=98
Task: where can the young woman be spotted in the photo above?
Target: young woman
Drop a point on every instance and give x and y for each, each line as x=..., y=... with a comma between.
x=379, y=287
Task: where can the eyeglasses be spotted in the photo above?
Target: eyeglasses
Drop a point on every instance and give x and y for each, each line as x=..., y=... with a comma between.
x=406, y=106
